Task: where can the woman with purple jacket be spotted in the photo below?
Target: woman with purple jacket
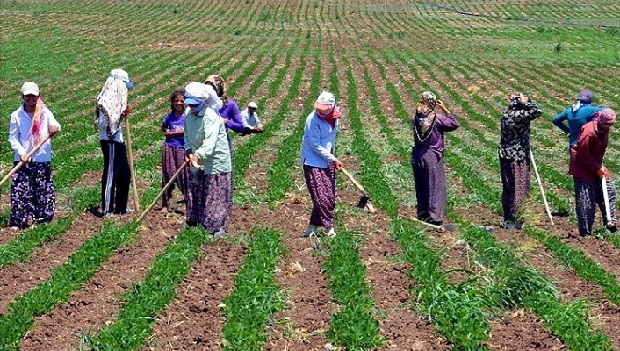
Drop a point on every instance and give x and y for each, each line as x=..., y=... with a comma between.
x=173, y=152
x=427, y=157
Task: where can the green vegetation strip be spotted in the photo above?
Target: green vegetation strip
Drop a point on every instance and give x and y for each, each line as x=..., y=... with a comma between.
x=457, y=311
x=65, y=279
x=288, y=151
x=256, y=295
x=353, y=326
x=518, y=286
x=148, y=298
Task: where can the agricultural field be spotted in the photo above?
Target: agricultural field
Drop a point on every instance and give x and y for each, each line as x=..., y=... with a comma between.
x=384, y=282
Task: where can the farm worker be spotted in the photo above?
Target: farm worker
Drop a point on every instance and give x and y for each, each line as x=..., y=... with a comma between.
x=514, y=156
x=580, y=113
x=219, y=89
x=231, y=116
x=32, y=189
x=319, y=163
x=251, y=123
x=110, y=109
x=587, y=169
x=173, y=151
x=206, y=146
x=429, y=127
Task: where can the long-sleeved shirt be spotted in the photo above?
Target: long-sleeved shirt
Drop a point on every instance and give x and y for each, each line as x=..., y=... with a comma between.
x=206, y=137
x=434, y=143
x=586, y=155
x=231, y=113
x=319, y=142
x=575, y=120
x=19, y=133
x=514, y=142
x=250, y=120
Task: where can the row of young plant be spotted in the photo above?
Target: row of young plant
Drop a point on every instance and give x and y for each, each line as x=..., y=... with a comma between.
x=21, y=246
x=556, y=313
x=490, y=195
x=457, y=334
x=279, y=172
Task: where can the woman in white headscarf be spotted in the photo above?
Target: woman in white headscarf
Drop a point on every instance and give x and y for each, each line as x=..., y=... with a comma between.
x=209, y=201
x=111, y=108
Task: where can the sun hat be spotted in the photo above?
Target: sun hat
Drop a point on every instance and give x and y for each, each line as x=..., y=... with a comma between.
x=121, y=74
x=252, y=105
x=30, y=88
x=325, y=101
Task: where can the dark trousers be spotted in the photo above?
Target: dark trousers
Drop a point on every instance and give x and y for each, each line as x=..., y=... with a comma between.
x=116, y=177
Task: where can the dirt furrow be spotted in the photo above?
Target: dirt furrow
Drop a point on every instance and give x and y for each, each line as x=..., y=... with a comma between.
x=193, y=320
x=99, y=301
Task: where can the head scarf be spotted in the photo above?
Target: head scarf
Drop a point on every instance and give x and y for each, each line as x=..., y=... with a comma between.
x=606, y=116
x=112, y=101
x=332, y=116
x=425, y=115
x=584, y=98
x=38, y=119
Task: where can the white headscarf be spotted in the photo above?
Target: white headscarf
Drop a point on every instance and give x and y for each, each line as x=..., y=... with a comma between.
x=112, y=101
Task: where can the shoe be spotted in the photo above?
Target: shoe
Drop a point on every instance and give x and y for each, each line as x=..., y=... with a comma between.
x=508, y=225
x=191, y=223
x=519, y=226
x=330, y=232
x=220, y=232
x=108, y=215
x=14, y=228
x=310, y=230
x=612, y=228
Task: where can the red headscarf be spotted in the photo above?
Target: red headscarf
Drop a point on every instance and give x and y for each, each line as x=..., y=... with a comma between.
x=332, y=116
x=38, y=119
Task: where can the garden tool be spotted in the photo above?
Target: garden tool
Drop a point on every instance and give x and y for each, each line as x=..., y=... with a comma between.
x=542, y=190
x=363, y=203
x=165, y=188
x=28, y=155
x=136, y=200
x=450, y=227
x=606, y=201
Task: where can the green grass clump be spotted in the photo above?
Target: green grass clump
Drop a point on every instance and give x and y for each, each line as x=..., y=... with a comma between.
x=256, y=295
x=460, y=311
x=353, y=326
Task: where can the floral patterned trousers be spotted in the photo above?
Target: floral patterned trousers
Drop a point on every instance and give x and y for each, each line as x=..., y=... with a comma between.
x=32, y=194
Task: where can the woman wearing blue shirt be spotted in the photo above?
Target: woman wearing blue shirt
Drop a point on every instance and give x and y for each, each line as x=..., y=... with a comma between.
x=319, y=162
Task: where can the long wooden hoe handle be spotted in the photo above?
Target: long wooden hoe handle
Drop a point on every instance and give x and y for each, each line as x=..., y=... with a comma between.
x=542, y=190
x=165, y=188
x=21, y=163
x=136, y=200
x=357, y=185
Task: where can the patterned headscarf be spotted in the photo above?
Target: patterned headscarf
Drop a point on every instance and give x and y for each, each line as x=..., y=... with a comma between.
x=112, y=101
x=425, y=112
x=606, y=116
x=38, y=119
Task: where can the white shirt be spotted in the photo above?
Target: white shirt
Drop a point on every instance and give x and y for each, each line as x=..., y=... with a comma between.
x=250, y=120
x=19, y=133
